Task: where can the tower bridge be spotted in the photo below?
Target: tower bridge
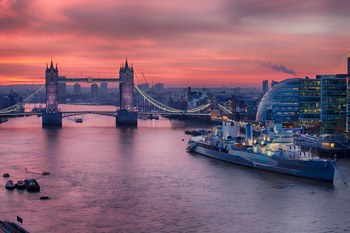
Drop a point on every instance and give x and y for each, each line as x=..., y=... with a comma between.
x=125, y=116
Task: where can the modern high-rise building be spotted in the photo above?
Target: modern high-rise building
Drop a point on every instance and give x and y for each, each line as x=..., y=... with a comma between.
x=77, y=89
x=94, y=89
x=103, y=87
x=144, y=87
x=62, y=87
x=348, y=62
x=265, y=87
x=273, y=83
x=280, y=104
x=323, y=104
x=158, y=88
x=333, y=103
x=310, y=105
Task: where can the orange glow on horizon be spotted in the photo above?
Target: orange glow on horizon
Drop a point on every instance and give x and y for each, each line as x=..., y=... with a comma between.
x=219, y=43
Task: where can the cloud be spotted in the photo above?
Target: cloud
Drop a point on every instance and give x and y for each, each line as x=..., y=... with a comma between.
x=280, y=68
x=199, y=41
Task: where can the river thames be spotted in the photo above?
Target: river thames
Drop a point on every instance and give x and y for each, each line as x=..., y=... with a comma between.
x=109, y=179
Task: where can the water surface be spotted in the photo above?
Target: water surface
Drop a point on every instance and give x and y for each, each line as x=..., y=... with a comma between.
x=108, y=179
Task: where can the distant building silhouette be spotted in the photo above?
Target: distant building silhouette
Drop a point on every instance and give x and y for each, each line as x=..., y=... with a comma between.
x=265, y=86
x=103, y=87
x=77, y=89
x=94, y=89
x=273, y=83
x=158, y=88
x=348, y=62
x=62, y=91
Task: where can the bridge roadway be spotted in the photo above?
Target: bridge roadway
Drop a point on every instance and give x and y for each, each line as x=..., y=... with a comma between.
x=89, y=80
x=174, y=113
x=108, y=113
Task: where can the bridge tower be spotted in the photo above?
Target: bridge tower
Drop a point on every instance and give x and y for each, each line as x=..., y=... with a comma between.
x=126, y=87
x=214, y=112
x=52, y=117
x=126, y=114
x=51, y=78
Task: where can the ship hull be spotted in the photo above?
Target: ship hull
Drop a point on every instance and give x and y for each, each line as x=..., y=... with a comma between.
x=312, y=169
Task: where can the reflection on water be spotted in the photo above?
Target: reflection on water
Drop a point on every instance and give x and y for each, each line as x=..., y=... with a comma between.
x=109, y=179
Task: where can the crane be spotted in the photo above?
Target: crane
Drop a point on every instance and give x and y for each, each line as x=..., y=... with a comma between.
x=144, y=78
x=137, y=79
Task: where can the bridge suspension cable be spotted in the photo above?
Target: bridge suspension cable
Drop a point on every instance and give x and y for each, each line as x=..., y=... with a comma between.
x=156, y=103
x=167, y=108
x=198, y=108
x=224, y=109
x=16, y=107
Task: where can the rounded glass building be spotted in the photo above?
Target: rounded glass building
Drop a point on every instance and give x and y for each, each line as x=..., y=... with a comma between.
x=281, y=103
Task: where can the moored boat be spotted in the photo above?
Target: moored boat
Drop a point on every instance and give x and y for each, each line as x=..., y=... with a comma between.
x=9, y=185
x=20, y=185
x=9, y=227
x=197, y=132
x=32, y=185
x=274, y=151
x=78, y=120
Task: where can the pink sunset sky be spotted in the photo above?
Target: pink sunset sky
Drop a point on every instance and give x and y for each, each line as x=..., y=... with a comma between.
x=211, y=43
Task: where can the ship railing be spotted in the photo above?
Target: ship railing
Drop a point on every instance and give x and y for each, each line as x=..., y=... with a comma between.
x=342, y=177
x=342, y=144
x=306, y=144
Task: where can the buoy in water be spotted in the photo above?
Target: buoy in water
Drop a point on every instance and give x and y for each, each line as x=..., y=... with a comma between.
x=44, y=197
x=46, y=173
x=6, y=175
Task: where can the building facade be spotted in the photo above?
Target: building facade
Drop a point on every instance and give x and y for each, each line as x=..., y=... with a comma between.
x=333, y=103
x=348, y=62
x=77, y=89
x=179, y=100
x=265, y=87
x=324, y=104
x=94, y=90
x=310, y=105
x=280, y=104
x=273, y=83
x=104, y=88
x=159, y=88
x=62, y=87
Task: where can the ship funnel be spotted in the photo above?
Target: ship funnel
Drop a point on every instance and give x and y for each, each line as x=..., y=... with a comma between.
x=249, y=134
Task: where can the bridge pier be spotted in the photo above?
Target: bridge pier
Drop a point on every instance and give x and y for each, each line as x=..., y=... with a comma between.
x=52, y=119
x=126, y=118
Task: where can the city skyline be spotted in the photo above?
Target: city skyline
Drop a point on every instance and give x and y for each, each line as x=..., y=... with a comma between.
x=210, y=43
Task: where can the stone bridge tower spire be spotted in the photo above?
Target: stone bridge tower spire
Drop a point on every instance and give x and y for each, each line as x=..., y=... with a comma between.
x=126, y=115
x=51, y=81
x=126, y=87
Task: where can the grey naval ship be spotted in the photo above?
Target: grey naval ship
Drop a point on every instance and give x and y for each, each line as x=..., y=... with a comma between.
x=274, y=150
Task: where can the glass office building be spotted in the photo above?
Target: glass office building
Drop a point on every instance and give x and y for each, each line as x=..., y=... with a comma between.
x=322, y=104
x=281, y=104
x=333, y=103
x=310, y=105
